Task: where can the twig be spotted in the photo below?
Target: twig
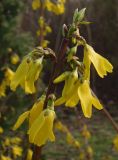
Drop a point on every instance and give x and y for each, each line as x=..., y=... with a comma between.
x=108, y=115
x=51, y=87
x=110, y=119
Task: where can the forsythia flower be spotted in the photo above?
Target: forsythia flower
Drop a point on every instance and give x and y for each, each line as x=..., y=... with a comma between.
x=57, y=8
x=90, y=151
x=70, y=79
x=1, y=130
x=87, y=99
x=101, y=64
x=6, y=142
x=60, y=126
x=45, y=43
x=8, y=76
x=32, y=114
x=115, y=142
x=69, y=137
x=15, y=59
x=40, y=123
x=78, y=91
x=42, y=128
x=36, y=4
x=29, y=154
x=17, y=151
x=85, y=132
x=15, y=140
x=2, y=157
x=26, y=74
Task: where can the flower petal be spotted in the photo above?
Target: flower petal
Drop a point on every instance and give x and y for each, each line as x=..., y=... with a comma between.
x=21, y=120
x=85, y=99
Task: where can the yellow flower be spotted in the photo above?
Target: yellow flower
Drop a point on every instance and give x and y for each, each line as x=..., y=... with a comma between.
x=15, y=140
x=69, y=137
x=87, y=99
x=17, y=151
x=2, y=157
x=1, y=130
x=32, y=114
x=42, y=128
x=75, y=91
x=82, y=156
x=20, y=74
x=8, y=76
x=73, y=99
x=6, y=142
x=59, y=9
x=45, y=43
x=115, y=142
x=33, y=75
x=21, y=119
x=70, y=79
x=101, y=64
x=48, y=29
x=26, y=74
x=90, y=151
x=85, y=132
x=70, y=140
x=49, y=5
x=29, y=154
x=60, y=126
x=36, y=110
x=15, y=59
x=40, y=123
x=3, y=86
x=36, y=4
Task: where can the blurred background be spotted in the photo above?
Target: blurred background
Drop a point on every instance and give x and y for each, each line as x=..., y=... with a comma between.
x=24, y=25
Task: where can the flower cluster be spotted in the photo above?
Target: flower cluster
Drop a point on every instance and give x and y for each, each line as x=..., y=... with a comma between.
x=57, y=7
x=40, y=123
x=77, y=82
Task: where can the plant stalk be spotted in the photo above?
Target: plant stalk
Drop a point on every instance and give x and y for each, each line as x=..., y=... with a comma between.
x=57, y=66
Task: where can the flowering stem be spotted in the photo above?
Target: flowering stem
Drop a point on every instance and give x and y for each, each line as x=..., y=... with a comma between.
x=58, y=64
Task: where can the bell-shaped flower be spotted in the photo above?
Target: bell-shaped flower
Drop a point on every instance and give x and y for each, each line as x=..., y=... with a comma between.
x=73, y=99
x=101, y=64
x=87, y=99
x=70, y=78
x=8, y=76
x=15, y=59
x=32, y=75
x=42, y=128
x=40, y=123
x=26, y=74
x=81, y=92
x=32, y=114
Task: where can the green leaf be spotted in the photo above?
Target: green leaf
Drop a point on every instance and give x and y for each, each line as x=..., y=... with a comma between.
x=75, y=15
x=85, y=22
x=79, y=16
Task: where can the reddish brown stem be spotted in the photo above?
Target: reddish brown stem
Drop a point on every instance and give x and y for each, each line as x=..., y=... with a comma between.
x=108, y=115
x=51, y=87
x=110, y=119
